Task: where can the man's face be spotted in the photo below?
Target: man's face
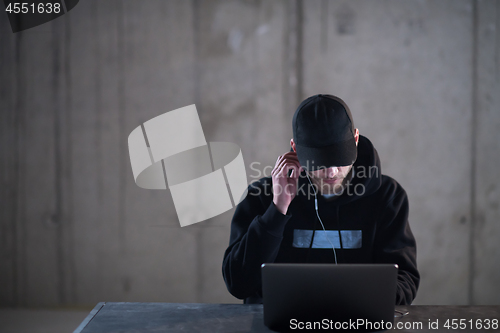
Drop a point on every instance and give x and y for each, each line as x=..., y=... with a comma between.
x=331, y=180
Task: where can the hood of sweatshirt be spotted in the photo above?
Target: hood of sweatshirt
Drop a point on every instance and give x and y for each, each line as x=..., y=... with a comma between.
x=367, y=176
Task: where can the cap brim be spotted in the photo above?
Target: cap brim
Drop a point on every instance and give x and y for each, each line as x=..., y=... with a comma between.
x=338, y=154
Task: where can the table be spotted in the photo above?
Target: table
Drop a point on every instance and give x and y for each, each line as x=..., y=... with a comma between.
x=195, y=317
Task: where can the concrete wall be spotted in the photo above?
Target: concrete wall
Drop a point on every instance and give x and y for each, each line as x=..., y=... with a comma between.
x=421, y=78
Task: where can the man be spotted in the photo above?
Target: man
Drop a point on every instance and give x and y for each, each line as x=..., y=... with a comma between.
x=325, y=202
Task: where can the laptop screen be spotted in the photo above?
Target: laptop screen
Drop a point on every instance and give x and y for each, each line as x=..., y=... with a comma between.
x=328, y=296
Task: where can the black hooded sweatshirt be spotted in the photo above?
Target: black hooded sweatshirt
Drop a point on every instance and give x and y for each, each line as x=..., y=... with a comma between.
x=371, y=214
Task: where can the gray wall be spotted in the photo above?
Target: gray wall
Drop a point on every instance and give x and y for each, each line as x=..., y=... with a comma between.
x=422, y=79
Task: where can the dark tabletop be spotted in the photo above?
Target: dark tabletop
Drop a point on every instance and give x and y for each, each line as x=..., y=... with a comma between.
x=185, y=317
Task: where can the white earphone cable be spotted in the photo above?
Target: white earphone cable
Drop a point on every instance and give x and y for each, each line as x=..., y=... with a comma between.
x=319, y=218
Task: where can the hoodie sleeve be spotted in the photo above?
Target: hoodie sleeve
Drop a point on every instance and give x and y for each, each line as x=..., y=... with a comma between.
x=256, y=233
x=395, y=243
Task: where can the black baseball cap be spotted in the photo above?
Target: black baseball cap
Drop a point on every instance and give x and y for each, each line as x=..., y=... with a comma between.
x=323, y=132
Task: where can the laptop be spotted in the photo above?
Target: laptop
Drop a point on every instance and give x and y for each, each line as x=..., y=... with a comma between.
x=315, y=297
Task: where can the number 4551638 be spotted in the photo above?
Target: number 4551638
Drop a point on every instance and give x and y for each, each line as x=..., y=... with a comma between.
x=40, y=8
x=478, y=324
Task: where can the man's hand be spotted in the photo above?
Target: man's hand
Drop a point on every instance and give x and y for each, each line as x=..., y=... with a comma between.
x=284, y=187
